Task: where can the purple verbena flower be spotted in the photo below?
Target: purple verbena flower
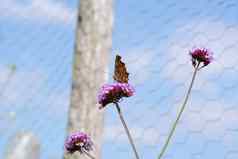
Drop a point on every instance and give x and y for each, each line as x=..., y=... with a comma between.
x=78, y=141
x=201, y=55
x=112, y=93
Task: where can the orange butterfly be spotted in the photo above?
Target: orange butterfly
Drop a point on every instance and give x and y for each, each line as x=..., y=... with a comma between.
x=120, y=71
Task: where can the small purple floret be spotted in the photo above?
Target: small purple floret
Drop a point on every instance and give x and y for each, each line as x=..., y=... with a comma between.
x=201, y=55
x=78, y=141
x=112, y=93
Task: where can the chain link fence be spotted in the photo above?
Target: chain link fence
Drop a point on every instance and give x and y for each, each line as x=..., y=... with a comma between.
x=153, y=37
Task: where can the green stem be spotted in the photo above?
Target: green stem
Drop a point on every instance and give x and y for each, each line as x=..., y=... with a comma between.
x=180, y=113
x=127, y=130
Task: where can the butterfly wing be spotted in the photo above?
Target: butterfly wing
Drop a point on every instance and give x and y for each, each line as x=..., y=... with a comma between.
x=120, y=71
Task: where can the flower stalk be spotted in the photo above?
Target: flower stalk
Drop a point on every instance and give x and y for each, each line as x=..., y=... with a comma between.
x=180, y=112
x=88, y=154
x=127, y=130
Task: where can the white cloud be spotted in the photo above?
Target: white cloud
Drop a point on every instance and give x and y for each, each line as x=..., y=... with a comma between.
x=138, y=63
x=217, y=36
x=17, y=87
x=212, y=117
x=141, y=135
x=38, y=10
x=20, y=86
x=212, y=123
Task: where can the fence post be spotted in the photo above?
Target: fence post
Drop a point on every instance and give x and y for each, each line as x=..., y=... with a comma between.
x=93, y=44
x=23, y=146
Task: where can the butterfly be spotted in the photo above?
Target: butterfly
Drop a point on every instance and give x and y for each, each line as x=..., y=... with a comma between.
x=120, y=72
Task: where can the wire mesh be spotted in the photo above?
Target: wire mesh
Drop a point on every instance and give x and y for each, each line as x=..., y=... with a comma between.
x=153, y=37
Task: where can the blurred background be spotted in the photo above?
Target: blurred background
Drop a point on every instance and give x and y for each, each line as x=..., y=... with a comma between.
x=37, y=39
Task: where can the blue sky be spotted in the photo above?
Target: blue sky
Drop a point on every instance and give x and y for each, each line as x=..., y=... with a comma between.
x=38, y=37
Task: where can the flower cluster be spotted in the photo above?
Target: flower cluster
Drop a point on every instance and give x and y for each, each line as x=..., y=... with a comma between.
x=78, y=141
x=112, y=93
x=201, y=55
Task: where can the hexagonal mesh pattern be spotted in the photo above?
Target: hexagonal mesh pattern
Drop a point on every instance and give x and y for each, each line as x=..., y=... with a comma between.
x=153, y=38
